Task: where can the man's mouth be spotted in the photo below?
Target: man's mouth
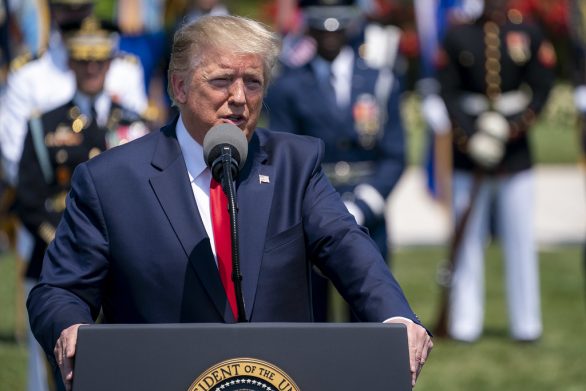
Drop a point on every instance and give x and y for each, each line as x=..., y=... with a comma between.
x=237, y=120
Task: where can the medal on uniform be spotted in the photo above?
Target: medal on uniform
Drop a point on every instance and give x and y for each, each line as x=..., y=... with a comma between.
x=63, y=136
x=121, y=131
x=366, y=114
x=518, y=46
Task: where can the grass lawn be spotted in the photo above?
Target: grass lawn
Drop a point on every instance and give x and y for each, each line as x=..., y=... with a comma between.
x=556, y=362
x=494, y=363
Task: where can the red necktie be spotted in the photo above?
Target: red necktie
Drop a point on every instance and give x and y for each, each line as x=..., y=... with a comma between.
x=223, y=240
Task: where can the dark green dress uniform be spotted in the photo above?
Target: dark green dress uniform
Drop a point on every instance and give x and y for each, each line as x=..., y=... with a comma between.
x=56, y=143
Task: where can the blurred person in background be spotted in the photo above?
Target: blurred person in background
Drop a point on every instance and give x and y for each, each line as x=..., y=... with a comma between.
x=286, y=16
x=32, y=26
x=23, y=32
x=197, y=8
x=495, y=76
x=40, y=84
x=552, y=16
x=142, y=32
x=5, y=40
x=354, y=108
x=386, y=34
x=289, y=21
x=58, y=140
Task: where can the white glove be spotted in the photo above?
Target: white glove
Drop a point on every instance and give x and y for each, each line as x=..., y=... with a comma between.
x=580, y=98
x=487, y=146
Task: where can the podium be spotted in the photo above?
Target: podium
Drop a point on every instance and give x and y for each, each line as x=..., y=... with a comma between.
x=243, y=357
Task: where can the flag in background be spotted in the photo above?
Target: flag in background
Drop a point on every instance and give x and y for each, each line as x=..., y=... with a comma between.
x=433, y=18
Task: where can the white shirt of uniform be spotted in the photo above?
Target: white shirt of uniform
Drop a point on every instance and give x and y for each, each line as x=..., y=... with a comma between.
x=342, y=68
x=47, y=83
x=199, y=177
x=102, y=104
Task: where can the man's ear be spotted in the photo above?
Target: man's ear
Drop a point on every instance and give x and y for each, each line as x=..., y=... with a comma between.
x=179, y=88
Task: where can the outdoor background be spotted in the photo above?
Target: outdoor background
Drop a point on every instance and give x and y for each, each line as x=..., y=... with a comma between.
x=556, y=362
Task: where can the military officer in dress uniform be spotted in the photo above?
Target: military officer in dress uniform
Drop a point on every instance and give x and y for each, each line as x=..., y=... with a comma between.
x=354, y=109
x=58, y=140
x=36, y=85
x=496, y=74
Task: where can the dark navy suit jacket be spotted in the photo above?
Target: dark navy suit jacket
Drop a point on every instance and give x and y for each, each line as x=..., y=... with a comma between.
x=132, y=242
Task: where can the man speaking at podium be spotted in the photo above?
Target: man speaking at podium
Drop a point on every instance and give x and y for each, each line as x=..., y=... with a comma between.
x=144, y=240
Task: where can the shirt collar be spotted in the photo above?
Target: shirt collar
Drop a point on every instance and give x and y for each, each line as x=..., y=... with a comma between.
x=343, y=63
x=192, y=151
x=101, y=103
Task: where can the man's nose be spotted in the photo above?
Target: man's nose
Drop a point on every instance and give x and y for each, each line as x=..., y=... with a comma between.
x=237, y=92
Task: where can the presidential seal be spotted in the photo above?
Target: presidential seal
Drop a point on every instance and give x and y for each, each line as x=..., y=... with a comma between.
x=243, y=374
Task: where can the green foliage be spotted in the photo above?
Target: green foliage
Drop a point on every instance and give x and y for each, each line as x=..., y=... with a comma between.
x=12, y=354
x=495, y=362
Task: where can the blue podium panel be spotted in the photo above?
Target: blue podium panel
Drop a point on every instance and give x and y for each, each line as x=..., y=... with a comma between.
x=244, y=357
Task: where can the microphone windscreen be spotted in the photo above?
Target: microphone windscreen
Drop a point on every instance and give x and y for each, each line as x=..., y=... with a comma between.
x=223, y=134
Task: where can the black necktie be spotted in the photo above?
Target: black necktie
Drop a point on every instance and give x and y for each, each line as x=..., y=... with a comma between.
x=93, y=113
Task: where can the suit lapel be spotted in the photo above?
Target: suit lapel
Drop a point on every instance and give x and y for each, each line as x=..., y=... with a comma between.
x=172, y=188
x=255, y=193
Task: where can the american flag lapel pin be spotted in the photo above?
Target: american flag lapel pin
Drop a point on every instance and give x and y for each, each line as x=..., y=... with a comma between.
x=263, y=179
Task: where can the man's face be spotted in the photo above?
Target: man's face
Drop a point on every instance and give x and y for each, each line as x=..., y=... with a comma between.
x=329, y=44
x=223, y=88
x=90, y=75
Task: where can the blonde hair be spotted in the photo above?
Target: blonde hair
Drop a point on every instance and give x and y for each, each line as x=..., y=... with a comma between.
x=226, y=32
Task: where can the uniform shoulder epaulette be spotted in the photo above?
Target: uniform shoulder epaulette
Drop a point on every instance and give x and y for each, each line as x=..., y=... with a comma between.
x=21, y=60
x=131, y=58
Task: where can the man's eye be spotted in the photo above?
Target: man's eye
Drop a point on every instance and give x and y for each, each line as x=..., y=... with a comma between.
x=220, y=82
x=253, y=84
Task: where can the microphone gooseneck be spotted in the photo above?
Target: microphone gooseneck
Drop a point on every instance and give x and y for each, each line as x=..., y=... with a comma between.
x=225, y=150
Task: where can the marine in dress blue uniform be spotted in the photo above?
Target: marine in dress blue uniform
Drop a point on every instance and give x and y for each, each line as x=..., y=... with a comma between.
x=496, y=74
x=354, y=109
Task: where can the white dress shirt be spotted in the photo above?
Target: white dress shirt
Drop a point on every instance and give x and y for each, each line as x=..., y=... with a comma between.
x=199, y=176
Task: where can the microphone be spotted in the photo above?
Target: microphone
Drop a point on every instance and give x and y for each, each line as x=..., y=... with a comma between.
x=225, y=144
x=224, y=150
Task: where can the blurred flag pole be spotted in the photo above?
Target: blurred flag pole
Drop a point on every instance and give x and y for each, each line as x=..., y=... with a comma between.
x=431, y=18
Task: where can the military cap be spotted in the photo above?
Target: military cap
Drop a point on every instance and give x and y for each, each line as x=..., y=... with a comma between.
x=329, y=15
x=91, y=39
